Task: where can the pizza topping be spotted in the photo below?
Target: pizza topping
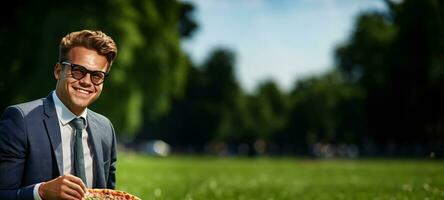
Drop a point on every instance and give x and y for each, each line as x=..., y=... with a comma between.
x=108, y=194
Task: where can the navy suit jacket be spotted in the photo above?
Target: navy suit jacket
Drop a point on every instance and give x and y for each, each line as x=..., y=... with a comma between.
x=31, y=148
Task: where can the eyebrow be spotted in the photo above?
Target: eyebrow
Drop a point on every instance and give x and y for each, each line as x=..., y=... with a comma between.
x=73, y=64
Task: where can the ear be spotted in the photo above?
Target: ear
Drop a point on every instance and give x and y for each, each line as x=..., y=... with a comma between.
x=57, y=71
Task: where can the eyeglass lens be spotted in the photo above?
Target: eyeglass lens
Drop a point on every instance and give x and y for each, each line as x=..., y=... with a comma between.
x=78, y=72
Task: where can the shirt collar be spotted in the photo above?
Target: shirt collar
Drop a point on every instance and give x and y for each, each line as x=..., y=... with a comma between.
x=63, y=113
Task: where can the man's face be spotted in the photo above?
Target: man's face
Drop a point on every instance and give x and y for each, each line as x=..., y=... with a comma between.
x=78, y=94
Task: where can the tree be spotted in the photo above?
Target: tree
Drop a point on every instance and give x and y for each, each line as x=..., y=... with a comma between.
x=397, y=59
x=150, y=68
x=209, y=109
x=268, y=108
x=323, y=109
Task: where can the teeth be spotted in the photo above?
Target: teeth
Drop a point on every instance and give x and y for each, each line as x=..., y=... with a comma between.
x=83, y=91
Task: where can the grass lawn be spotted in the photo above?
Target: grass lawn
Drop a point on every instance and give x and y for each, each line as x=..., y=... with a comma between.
x=278, y=178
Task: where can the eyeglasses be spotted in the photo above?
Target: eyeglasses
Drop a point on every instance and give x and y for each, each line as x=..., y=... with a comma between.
x=79, y=71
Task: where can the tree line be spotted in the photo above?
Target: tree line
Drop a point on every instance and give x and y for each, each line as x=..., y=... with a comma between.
x=383, y=97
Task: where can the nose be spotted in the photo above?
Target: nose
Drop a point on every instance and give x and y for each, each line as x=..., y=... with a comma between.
x=86, y=80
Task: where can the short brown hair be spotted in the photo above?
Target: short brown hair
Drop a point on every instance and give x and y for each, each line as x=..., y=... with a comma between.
x=90, y=39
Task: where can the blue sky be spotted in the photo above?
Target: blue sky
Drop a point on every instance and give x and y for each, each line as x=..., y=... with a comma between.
x=283, y=40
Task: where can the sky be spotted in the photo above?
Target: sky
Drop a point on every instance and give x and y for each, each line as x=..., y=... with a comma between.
x=282, y=40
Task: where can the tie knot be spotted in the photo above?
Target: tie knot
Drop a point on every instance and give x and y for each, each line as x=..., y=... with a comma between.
x=78, y=123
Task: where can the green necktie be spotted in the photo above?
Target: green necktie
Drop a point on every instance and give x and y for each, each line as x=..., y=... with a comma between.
x=79, y=162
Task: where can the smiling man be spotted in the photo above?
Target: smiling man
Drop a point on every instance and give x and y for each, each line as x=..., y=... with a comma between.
x=55, y=147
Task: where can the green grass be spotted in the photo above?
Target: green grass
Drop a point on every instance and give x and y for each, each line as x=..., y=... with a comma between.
x=276, y=178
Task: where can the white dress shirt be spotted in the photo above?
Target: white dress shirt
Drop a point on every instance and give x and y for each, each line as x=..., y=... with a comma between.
x=67, y=134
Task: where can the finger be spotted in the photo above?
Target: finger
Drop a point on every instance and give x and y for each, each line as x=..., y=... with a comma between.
x=69, y=197
x=75, y=187
x=78, y=181
x=69, y=193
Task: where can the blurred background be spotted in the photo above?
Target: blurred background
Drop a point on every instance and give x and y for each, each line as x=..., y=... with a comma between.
x=322, y=78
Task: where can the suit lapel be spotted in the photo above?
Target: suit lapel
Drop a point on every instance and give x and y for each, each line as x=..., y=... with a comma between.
x=96, y=140
x=53, y=131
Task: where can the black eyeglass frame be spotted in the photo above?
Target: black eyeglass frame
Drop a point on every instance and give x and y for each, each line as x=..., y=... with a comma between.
x=85, y=71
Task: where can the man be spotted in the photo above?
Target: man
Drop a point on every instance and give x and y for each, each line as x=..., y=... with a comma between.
x=55, y=148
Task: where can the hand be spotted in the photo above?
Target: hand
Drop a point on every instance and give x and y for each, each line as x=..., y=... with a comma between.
x=66, y=187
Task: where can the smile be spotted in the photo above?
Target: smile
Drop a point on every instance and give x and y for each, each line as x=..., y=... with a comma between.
x=83, y=91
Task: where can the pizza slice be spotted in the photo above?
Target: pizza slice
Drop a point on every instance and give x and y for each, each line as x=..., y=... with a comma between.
x=108, y=194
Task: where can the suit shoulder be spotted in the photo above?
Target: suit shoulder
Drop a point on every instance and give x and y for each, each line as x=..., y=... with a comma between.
x=26, y=108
